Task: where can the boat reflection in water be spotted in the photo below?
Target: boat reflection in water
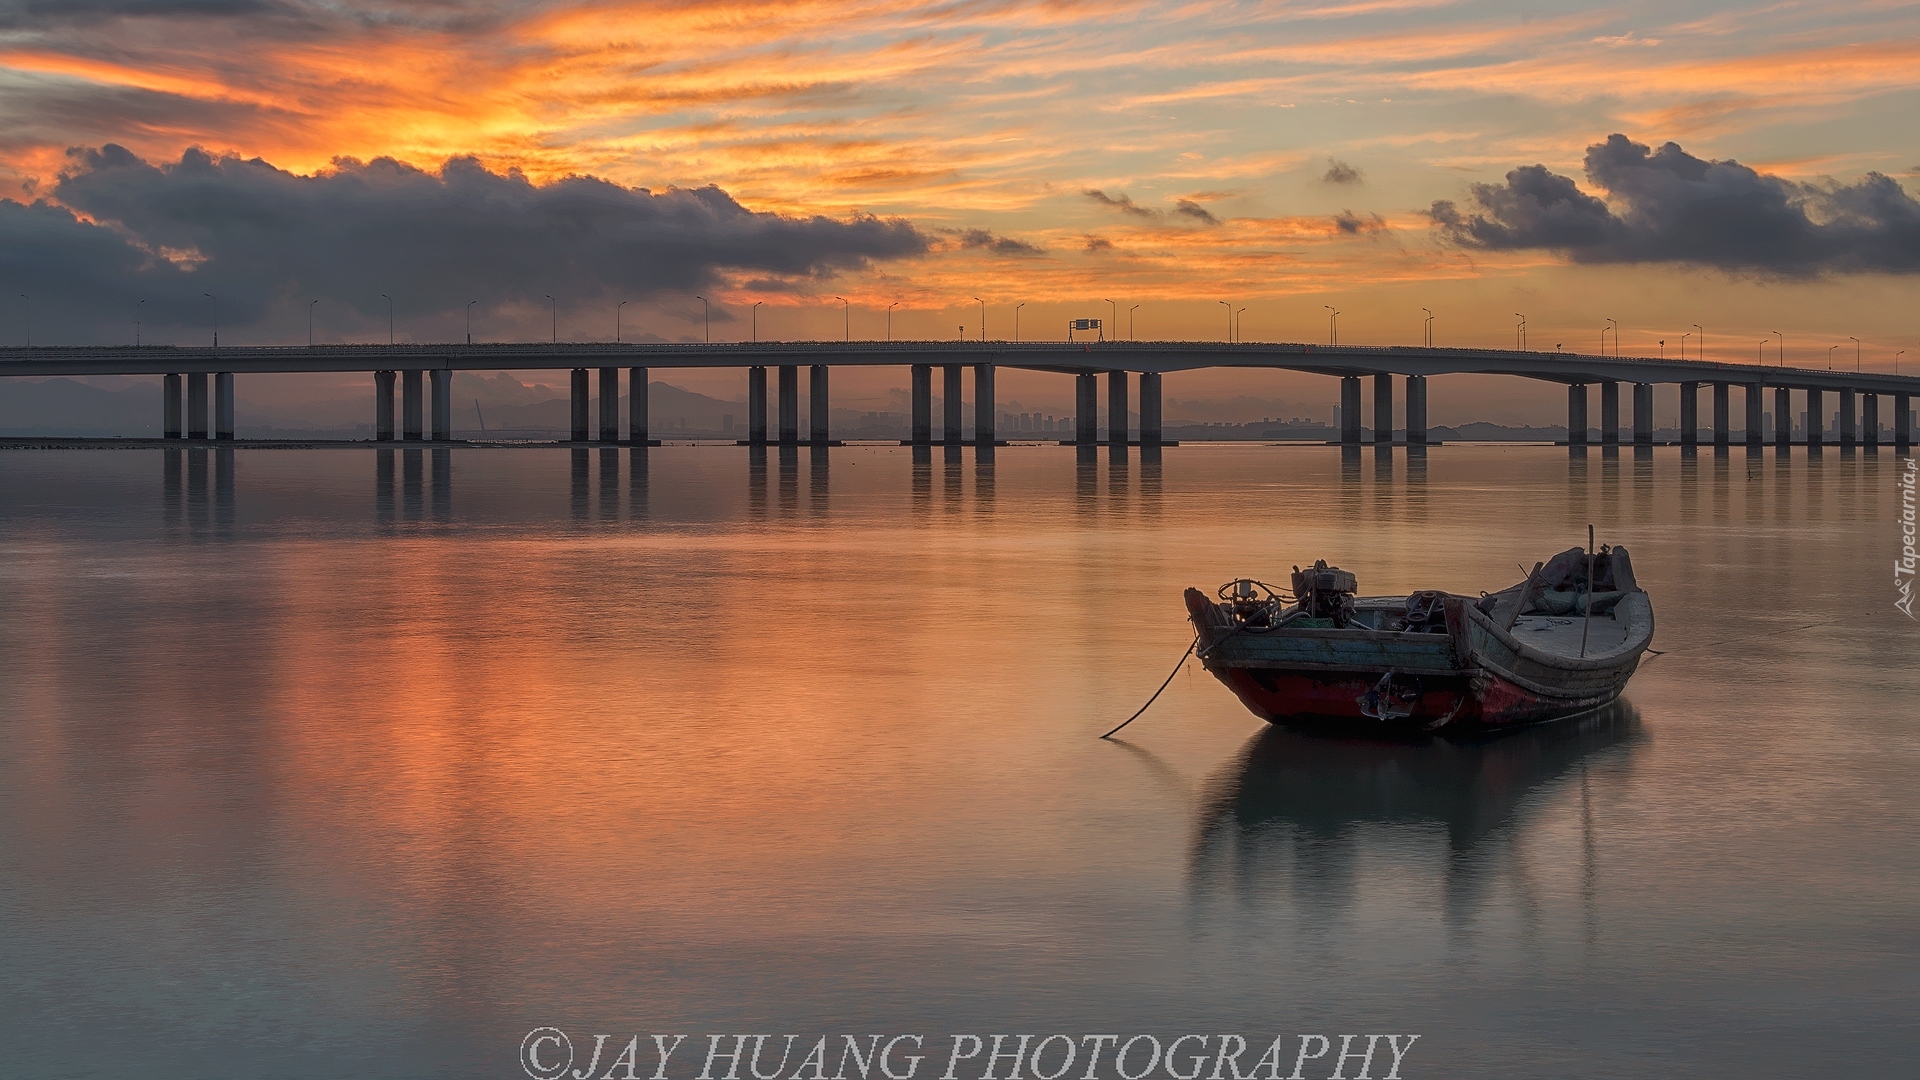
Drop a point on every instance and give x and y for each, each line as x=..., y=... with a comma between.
x=1294, y=813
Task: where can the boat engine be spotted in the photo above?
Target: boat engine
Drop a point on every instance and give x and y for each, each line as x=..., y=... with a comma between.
x=1325, y=592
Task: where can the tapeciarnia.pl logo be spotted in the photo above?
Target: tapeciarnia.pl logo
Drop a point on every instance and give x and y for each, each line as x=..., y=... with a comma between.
x=1903, y=567
x=547, y=1053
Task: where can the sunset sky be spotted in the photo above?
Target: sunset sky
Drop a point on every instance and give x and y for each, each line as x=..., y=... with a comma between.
x=1278, y=156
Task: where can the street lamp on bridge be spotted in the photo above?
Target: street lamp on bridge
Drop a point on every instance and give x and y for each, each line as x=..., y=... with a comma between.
x=1130, y=312
x=846, y=319
x=1703, y=341
x=1520, y=332
x=983, y=317
x=1426, y=329
x=1616, y=336
x=1830, y=349
x=890, y=308
x=1856, y=351
x=1683, y=344
x=706, y=310
x=389, y=301
x=310, y=307
x=756, y=319
x=470, y=304
x=1229, y=308
x=553, y=314
x=1783, y=347
x=1016, y=319
x=616, y=320
x=1237, y=335
x=213, y=305
x=1333, y=323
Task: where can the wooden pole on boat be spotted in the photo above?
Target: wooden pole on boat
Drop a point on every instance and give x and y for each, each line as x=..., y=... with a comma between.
x=1526, y=593
x=1588, y=624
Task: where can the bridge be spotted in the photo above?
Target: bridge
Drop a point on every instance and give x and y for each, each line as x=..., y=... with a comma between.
x=424, y=374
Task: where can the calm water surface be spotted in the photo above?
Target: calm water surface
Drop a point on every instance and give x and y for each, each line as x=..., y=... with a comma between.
x=336, y=763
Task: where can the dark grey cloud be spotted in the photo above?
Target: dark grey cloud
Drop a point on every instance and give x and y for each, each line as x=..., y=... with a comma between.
x=265, y=241
x=1353, y=224
x=1123, y=203
x=263, y=16
x=1339, y=172
x=44, y=13
x=1666, y=205
x=1097, y=244
x=1189, y=208
x=982, y=239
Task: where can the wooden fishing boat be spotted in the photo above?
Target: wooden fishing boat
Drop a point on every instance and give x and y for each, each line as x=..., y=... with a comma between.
x=1564, y=641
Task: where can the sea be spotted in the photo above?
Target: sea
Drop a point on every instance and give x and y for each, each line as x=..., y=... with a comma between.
x=491, y=761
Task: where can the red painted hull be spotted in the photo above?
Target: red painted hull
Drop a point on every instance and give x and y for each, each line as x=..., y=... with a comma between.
x=1332, y=699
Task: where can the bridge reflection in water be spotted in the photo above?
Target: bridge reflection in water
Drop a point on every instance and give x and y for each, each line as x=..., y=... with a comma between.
x=1289, y=820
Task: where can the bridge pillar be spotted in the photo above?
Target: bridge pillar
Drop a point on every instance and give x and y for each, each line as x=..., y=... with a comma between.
x=1782, y=417
x=1755, y=421
x=1689, y=413
x=170, y=407
x=1870, y=420
x=1816, y=420
x=817, y=405
x=1846, y=417
x=983, y=424
x=197, y=405
x=1721, y=419
x=610, y=404
x=789, y=405
x=441, y=381
x=1117, y=408
x=757, y=406
x=1086, y=409
x=1642, y=414
x=1150, y=408
x=638, y=431
x=410, y=406
x=383, y=406
x=1577, y=414
x=1609, y=412
x=1383, y=408
x=950, y=422
x=1349, y=409
x=581, y=392
x=1416, y=410
x=223, y=405
x=922, y=404
x=1902, y=421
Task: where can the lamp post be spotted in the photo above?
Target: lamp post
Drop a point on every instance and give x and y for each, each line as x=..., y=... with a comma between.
x=616, y=320
x=310, y=307
x=1830, y=349
x=1896, y=360
x=1520, y=332
x=1016, y=319
x=1701, y=349
x=1237, y=336
x=1856, y=351
x=553, y=314
x=389, y=301
x=1229, y=308
x=983, y=317
x=1333, y=323
x=136, y=324
x=1616, y=335
x=1760, y=354
x=28, y=308
x=1783, y=347
x=213, y=305
x=1115, y=316
x=1683, y=344
x=756, y=319
x=1426, y=329
x=1130, y=312
x=706, y=309
x=470, y=304
x=1603, y=341
x=890, y=308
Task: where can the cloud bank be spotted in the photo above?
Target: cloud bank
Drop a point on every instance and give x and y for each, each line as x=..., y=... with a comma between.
x=1667, y=206
x=118, y=229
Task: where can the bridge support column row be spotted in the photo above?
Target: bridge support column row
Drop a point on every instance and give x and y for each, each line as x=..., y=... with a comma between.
x=1721, y=418
x=223, y=405
x=383, y=406
x=442, y=386
x=789, y=405
x=983, y=425
x=1902, y=424
x=1117, y=408
x=922, y=404
x=1689, y=414
x=581, y=393
x=609, y=404
x=1577, y=414
x=1816, y=420
x=1609, y=413
x=1150, y=408
x=1870, y=420
x=1383, y=409
x=757, y=406
x=410, y=406
x=170, y=407
x=950, y=404
x=1086, y=410
x=639, y=430
x=1416, y=410
x=1350, y=410
x=1782, y=417
x=1846, y=418
x=1755, y=419
x=1642, y=414
x=817, y=405
x=197, y=405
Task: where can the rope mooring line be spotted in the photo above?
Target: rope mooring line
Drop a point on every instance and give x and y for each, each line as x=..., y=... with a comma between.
x=1163, y=686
